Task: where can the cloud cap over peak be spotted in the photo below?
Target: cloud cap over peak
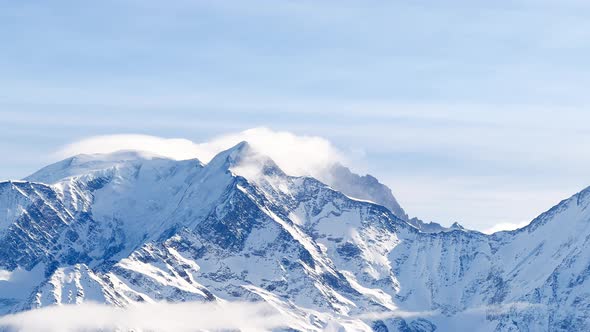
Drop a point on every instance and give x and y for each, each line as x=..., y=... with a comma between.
x=296, y=155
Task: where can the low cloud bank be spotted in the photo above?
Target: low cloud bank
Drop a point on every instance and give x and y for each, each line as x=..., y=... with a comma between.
x=226, y=316
x=160, y=317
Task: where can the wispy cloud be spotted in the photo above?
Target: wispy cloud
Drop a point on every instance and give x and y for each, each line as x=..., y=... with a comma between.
x=174, y=148
x=503, y=308
x=218, y=316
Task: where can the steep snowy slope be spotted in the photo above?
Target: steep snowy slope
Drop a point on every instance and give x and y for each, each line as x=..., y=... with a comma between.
x=127, y=227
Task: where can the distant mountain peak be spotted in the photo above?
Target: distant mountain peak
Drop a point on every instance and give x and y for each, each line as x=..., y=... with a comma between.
x=457, y=225
x=233, y=155
x=242, y=159
x=365, y=187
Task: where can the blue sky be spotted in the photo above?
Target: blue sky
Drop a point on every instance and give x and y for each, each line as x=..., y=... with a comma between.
x=472, y=111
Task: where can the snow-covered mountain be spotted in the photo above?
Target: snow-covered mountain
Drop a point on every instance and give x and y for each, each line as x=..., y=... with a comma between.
x=341, y=253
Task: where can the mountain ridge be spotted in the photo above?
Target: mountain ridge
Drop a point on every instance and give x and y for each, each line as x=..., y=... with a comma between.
x=239, y=228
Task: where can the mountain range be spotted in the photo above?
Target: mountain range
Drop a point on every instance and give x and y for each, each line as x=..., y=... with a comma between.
x=333, y=252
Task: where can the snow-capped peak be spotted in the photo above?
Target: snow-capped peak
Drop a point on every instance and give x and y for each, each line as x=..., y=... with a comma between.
x=231, y=156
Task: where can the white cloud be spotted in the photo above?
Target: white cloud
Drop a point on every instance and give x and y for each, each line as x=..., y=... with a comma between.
x=175, y=148
x=161, y=317
x=373, y=316
x=5, y=275
x=505, y=226
x=296, y=155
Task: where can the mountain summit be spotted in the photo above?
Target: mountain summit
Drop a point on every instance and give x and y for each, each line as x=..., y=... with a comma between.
x=337, y=252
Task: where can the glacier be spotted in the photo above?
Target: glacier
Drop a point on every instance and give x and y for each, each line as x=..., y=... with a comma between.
x=335, y=252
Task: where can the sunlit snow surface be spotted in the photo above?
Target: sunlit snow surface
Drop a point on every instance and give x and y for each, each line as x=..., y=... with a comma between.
x=129, y=228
